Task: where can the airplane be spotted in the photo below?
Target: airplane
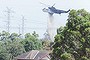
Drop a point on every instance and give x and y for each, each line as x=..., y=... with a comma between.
x=51, y=10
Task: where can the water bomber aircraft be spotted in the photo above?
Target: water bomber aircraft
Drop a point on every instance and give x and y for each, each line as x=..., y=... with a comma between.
x=52, y=10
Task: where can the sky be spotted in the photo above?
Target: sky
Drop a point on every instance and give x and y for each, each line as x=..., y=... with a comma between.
x=35, y=18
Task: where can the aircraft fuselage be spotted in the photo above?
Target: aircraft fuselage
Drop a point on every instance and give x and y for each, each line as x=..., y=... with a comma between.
x=52, y=10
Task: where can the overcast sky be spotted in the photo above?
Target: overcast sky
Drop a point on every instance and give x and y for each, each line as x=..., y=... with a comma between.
x=36, y=19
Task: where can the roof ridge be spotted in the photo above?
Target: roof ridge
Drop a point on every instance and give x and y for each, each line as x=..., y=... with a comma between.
x=36, y=54
x=32, y=54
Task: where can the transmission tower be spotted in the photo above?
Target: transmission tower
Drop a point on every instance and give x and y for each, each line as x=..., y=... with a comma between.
x=9, y=11
x=23, y=24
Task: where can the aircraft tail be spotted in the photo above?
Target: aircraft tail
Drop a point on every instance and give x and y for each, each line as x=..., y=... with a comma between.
x=68, y=11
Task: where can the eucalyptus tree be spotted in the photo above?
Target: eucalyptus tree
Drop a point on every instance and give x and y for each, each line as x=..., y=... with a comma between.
x=72, y=41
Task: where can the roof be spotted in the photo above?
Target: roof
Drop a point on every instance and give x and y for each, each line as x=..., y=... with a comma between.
x=34, y=54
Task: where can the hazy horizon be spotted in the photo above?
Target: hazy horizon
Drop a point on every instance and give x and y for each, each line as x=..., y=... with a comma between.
x=36, y=19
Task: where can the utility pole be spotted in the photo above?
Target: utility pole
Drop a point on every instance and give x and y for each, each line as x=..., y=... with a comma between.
x=19, y=29
x=9, y=11
x=23, y=24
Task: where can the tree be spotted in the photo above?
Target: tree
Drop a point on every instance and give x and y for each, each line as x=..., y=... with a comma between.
x=46, y=44
x=14, y=48
x=74, y=38
x=31, y=42
x=3, y=52
x=10, y=46
x=4, y=36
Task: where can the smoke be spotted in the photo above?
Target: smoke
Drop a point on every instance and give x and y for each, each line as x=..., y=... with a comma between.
x=50, y=27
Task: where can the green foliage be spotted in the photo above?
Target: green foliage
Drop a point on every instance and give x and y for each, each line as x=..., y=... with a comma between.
x=74, y=38
x=12, y=45
x=84, y=58
x=3, y=52
x=46, y=44
x=66, y=56
x=31, y=42
x=14, y=48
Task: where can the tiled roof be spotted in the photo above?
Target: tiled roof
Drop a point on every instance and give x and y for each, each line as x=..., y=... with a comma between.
x=34, y=54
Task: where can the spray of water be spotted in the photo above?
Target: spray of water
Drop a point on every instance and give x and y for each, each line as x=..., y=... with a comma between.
x=50, y=27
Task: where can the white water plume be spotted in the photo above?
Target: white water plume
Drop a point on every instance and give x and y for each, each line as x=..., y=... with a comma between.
x=50, y=27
